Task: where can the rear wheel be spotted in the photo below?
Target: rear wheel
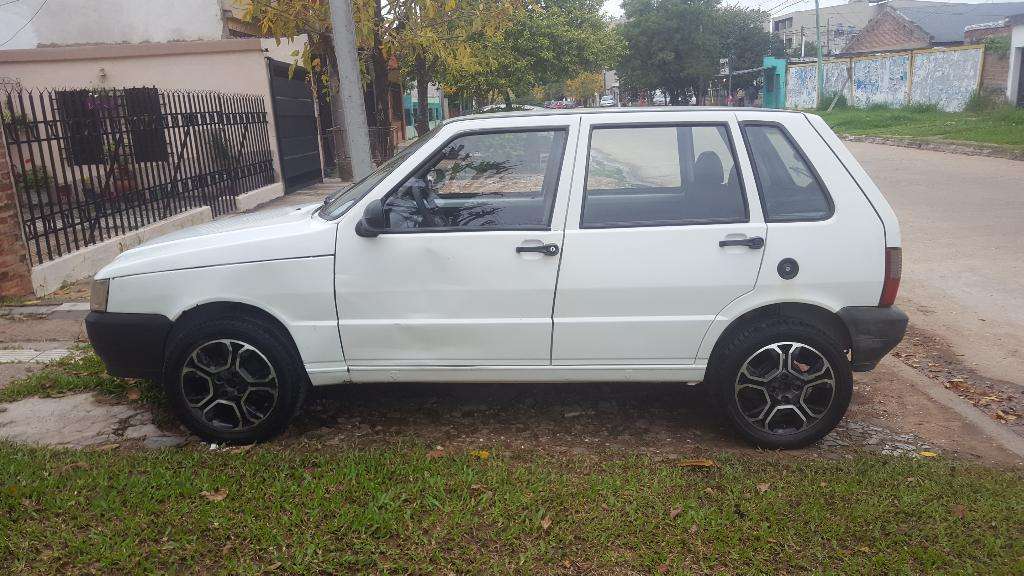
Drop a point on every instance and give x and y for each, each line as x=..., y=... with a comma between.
x=784, y=383
x=235, y=380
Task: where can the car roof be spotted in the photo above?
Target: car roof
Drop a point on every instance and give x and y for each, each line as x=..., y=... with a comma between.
x=631, y=110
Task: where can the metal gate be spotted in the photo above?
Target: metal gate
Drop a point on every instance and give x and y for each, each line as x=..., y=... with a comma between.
x=295, y=122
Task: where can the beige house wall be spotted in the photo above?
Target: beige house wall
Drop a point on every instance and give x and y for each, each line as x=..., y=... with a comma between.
x=232, y=66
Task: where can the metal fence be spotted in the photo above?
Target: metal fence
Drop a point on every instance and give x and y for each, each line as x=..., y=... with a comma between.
x=93, y=164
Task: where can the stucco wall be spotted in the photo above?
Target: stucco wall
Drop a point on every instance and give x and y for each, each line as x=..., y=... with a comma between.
x=946, y=78
x=70, y=22
x=233, y=66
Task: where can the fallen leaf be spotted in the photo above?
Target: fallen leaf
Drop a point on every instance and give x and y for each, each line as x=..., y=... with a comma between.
x=240, y=449
x=762, y=488
x=693, y=529
x=864, y=549
x=823, y=484
x=710, y=491
x=481, y=454
x=133, y=394
x=674, y=512
x=545, y=523
x=435, y=453
x=272, y=567
x=216, y=495
x=698, y=463
x=927, y=454
x=663, y=569
x=958, y=510
x=106, y=447
x=801, y=366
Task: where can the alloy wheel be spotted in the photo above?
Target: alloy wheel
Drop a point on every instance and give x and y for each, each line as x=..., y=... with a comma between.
x=229, y=384
x=785, y=387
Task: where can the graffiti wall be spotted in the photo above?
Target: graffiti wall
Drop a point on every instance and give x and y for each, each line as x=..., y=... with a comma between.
x=945, y=78
x=802, y=82
x=884, y=80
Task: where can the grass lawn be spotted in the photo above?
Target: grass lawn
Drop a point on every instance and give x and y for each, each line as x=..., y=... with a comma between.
x=1003, y=126
x=399, y=509
x=80, y=372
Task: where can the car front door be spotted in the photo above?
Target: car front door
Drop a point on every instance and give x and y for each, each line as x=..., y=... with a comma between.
x=662, y=234
x=464, y=272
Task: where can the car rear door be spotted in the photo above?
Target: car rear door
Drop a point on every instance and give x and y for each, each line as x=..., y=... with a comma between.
x=662, y=233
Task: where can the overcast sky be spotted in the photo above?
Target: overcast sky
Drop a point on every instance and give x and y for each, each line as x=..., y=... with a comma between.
x=614, y=7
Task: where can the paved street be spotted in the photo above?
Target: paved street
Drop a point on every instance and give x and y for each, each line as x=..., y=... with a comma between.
x=962, y=219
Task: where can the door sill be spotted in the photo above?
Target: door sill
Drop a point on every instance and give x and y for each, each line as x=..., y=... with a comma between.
x=589, y=373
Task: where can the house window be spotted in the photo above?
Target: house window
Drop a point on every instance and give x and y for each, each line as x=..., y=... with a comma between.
x=784, y=24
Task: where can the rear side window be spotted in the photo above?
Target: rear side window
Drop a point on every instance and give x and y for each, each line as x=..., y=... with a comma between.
x=661, y=176
x=789, y=189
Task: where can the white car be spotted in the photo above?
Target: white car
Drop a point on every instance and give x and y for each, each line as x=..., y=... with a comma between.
x=606, y=102
x=747, y=250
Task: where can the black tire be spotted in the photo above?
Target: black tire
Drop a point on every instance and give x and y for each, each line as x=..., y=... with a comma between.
x=724, y=371
x=272, y=344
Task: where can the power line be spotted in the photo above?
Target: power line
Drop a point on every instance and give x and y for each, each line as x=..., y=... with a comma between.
x=9, y=2
x=29, y=21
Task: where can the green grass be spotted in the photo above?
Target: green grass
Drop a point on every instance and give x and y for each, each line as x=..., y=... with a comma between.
x=79, y=372
x=394, y=510
x=998, y=125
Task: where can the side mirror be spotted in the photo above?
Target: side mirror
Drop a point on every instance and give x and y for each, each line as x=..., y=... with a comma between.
x=373, y=221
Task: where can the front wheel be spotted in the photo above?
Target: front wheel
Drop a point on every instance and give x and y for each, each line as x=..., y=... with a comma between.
x=784, y=383
x=234, y=380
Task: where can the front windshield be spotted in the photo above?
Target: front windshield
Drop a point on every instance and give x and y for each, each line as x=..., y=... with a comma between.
x=337, y=203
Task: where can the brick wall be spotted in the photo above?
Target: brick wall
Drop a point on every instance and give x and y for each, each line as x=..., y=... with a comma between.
x=888, y=30
x=996, y=67
x=15, y=274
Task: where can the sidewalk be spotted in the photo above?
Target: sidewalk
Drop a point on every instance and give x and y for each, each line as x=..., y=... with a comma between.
x=314, y=193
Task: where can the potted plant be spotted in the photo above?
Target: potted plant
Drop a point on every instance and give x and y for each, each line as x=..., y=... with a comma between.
x=122, y=180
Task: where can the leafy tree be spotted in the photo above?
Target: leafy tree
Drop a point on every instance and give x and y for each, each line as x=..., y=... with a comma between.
x=583, y=87
x=675, y=45
x=550, y=41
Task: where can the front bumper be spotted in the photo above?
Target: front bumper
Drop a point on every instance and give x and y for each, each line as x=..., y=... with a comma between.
x=130, y=345
x=874, y=331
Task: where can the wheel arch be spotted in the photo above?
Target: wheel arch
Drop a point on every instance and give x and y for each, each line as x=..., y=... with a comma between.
x=228, y=308
x=812, y=313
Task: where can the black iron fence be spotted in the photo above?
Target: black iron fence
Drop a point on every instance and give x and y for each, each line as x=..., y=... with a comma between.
x=93, y=164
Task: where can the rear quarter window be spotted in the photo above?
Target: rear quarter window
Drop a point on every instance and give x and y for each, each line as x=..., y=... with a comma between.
x=790, y=190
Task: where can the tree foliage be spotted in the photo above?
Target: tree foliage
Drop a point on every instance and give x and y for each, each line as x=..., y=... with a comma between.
x=675, y=45
x=548, y=42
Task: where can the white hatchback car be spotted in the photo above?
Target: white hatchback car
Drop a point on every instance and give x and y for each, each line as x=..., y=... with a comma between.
x=743, y=248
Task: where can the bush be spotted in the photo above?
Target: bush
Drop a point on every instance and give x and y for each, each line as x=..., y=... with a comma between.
x=984, y=101
x=920, y=108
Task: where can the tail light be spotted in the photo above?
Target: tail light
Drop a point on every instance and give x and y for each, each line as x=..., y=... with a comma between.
x=893, y=271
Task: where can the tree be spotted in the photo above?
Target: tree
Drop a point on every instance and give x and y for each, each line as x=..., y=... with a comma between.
x=427, y=34
x=583, y=87
x=675, y=45
x=550, y=41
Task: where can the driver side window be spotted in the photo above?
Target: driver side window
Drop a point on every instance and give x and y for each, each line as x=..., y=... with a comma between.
x=493, y=180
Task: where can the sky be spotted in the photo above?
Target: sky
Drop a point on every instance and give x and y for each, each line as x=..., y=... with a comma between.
x=614, y=7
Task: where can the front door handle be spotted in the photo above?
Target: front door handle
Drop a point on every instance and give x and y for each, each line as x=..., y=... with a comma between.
x=545, y=249
x=754, y=242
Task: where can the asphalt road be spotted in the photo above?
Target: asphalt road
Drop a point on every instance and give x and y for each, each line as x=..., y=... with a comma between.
x=962, y=219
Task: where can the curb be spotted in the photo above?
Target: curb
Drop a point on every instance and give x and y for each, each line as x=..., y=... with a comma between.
x=1001, y=434
x=966, y=149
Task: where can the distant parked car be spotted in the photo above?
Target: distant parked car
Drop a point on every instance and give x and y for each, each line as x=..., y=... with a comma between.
x=745, y=249
x=659, y=98
x=606, y=101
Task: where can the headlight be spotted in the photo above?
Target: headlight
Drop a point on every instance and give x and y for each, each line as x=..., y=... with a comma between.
x=98, y=295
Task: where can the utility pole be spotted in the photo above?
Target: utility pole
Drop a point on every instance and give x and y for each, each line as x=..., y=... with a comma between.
x=350, y=90
x=821, y=69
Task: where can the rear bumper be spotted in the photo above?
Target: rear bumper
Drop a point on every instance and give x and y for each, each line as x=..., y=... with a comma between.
x=874, y=332
x=130, y=345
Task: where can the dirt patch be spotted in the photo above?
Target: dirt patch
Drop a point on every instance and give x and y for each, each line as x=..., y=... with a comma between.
x=931, y=356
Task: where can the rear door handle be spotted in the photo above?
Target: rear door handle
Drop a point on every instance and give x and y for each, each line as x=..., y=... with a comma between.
x=545, y=249
x=754, y=242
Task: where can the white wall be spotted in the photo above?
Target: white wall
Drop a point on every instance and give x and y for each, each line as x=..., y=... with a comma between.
x=69, y=22
x=1016, y=61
